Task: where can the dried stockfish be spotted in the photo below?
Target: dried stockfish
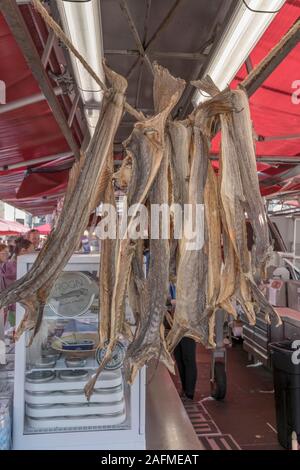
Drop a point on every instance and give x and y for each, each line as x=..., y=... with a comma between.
x=136, y=284
x=33, y=289
x=192, y=311
x=213, y=224
x=192, y=269
x=180, y=133
x=253, y=204
x=145, y=146
x=149, y=341
x=232, y=194
x=239, y=194
x=107, y=265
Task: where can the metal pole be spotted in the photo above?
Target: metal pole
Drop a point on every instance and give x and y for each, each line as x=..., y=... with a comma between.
x=5, y=108
x=35, y=161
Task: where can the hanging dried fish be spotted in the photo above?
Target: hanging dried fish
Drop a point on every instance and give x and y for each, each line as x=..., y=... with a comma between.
x=192, y=269
x=145, y=146
x=33, y=289
x=137, y=280
x=107, y=265
x=213, y=223
x=232, y=193
x=180, y=133
x=193, y=312
x=253, y=203
x=149, y=341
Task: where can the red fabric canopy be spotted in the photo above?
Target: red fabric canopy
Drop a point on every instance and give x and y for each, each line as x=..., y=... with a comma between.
x=11, y=228
x=32, y=132
x=44, y=229
x=272, y=109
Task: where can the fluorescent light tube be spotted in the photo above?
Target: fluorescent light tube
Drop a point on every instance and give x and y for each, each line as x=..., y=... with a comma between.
x=82, y=23
x=242, y=33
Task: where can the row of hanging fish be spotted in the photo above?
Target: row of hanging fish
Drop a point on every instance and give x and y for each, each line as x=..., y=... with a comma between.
x=166, y=162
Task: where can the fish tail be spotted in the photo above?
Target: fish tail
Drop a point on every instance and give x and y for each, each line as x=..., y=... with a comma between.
x=175, y=335
x=89, y=387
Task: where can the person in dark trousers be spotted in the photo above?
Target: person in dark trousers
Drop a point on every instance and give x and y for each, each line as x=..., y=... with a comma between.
x=185, y=357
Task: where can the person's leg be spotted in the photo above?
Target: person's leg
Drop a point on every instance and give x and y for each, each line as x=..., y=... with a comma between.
x=180, y=364
x=188, y=346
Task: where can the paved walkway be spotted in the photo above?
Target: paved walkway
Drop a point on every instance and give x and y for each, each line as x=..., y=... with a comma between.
x=246, y=418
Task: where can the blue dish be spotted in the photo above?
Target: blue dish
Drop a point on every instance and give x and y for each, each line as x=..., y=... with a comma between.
x=84, y=345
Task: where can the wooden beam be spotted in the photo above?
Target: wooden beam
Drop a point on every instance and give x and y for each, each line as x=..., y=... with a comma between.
x=279, y=52
x=19, y=29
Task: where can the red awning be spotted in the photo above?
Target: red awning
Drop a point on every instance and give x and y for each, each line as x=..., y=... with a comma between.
x=31, y=131
x=272, y=110
x=11, y=228
x=44, y=229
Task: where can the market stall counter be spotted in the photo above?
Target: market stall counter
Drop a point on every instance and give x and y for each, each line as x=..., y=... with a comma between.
x=168, y=426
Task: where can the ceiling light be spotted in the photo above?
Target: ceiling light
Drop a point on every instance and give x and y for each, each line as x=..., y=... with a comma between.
x=243, y=31
x=82, y=23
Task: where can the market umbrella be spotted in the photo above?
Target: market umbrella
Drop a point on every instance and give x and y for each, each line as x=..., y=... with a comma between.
x=44, y=229
x=11, y=228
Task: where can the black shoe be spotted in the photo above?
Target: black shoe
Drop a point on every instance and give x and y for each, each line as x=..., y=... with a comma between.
x=188, y=399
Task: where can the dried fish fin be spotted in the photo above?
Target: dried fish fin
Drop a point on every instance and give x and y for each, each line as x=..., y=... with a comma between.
x=127, y=332
x=165, y=86
x=157, y=350
x=89, y=387
x=261, y=300
x=207, y=85
x=32, y=306
x=243, y=296
x=122, y=177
